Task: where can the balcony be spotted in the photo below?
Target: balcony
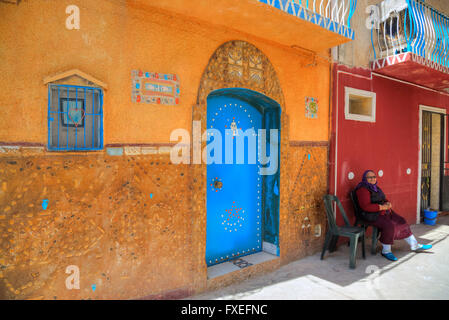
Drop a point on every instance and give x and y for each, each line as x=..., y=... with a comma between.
x=410, y=41
x=314, y=25
x=332, y=15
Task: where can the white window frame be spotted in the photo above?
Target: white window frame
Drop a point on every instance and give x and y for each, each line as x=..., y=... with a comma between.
x=361, y=93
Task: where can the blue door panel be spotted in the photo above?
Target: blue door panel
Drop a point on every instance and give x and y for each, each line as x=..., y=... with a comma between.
x=234, y=205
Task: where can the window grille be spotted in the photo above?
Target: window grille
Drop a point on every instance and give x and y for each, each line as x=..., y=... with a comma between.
x=75, y=118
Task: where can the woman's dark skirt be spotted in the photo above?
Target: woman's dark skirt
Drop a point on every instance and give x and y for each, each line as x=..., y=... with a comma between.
x=392, y=227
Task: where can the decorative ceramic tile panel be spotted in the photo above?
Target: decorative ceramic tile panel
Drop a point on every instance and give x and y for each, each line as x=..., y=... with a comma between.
x=311, y=108
x=155, y=88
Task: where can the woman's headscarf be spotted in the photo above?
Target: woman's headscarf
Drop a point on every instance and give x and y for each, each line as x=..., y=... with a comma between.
x=366, y=184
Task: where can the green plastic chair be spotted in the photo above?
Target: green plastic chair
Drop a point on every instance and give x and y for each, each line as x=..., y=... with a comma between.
x=360, y=222
x=351, y=232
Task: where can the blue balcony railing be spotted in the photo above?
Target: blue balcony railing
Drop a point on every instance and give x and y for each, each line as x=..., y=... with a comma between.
x=334, y=15
x=410, y=26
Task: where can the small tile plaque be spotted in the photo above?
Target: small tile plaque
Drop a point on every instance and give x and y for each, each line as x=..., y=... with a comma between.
x=155, y=88
x=311, y=108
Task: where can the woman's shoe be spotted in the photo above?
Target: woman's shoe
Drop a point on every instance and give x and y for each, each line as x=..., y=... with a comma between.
x=390, y=256
x=422, y=247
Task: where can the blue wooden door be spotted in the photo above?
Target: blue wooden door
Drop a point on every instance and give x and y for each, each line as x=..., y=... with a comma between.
x=234, y=191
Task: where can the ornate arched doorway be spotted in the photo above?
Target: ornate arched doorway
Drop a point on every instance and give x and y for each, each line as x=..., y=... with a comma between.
x=240, y=72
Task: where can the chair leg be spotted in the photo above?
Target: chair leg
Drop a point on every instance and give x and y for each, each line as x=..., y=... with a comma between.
x=374, y=241
x=326, y=243
x=333, y=243
x=363, y=246
x=353, y=252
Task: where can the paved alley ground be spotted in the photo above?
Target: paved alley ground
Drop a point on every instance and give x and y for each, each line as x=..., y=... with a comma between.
x=423, y=275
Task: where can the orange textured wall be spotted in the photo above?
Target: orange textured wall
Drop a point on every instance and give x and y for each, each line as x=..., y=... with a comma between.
x=114, y=39
x=100, y=217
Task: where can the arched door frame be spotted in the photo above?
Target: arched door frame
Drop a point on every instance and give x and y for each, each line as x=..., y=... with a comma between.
x=235, y=64
x=270, y=112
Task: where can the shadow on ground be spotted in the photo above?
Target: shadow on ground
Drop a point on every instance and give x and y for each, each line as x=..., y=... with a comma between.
x=333, y=272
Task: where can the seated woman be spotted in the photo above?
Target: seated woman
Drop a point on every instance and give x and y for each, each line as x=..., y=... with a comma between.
x=378, y=212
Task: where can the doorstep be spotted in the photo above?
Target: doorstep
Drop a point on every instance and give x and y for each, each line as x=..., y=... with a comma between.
x=238, y=264
x=231, y=271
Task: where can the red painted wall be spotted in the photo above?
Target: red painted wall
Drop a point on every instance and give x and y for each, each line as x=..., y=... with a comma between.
x=390, y=144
